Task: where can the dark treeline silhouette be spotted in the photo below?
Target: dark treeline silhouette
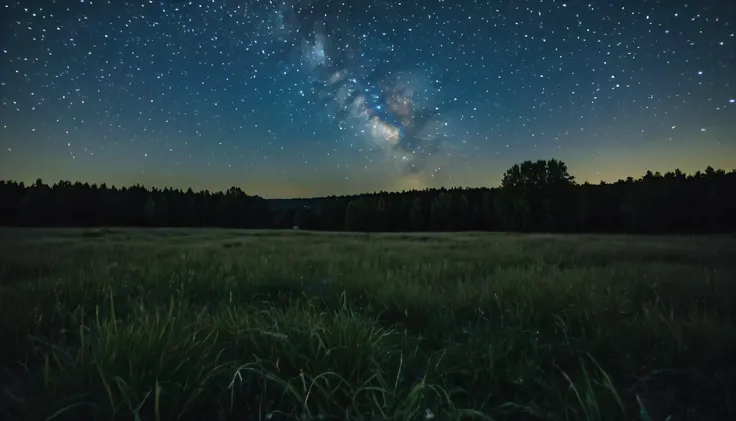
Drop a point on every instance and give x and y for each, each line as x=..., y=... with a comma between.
x=533, y=197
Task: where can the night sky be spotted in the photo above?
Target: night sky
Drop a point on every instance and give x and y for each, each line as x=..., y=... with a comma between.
x=316, y=97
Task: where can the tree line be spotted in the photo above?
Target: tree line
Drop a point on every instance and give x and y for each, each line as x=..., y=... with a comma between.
x=536, y=196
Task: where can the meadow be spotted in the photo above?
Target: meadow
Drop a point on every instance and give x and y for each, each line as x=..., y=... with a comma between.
x=163, y=324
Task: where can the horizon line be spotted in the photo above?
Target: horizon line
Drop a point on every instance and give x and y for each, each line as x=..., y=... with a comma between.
x=28, y=184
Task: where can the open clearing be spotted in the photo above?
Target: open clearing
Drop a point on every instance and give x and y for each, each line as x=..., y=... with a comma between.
x=224, y=324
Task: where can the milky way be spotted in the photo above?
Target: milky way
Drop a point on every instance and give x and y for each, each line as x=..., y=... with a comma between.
x=304, y=97
x=395, y=108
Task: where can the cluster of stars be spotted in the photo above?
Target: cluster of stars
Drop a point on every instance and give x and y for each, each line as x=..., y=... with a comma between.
x=238, y=85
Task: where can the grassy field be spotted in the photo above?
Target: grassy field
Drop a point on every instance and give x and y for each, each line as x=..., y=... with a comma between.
x=221, y=324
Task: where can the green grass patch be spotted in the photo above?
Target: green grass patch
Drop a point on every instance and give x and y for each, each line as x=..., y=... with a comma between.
x=164, y=324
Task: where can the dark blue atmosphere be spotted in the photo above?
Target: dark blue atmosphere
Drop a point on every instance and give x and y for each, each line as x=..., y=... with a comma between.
x=310, y=98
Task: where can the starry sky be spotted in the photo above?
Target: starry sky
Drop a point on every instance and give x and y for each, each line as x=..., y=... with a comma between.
x=300, y=98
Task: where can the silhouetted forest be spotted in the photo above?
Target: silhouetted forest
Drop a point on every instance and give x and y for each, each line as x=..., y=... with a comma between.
x=536, y=196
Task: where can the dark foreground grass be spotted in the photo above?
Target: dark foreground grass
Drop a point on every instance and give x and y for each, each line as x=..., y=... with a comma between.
x=219, y=324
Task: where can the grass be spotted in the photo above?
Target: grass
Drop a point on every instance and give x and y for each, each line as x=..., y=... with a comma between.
x=221, y=324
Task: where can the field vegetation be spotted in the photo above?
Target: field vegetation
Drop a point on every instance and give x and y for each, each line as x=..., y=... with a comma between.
x=217, y=324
